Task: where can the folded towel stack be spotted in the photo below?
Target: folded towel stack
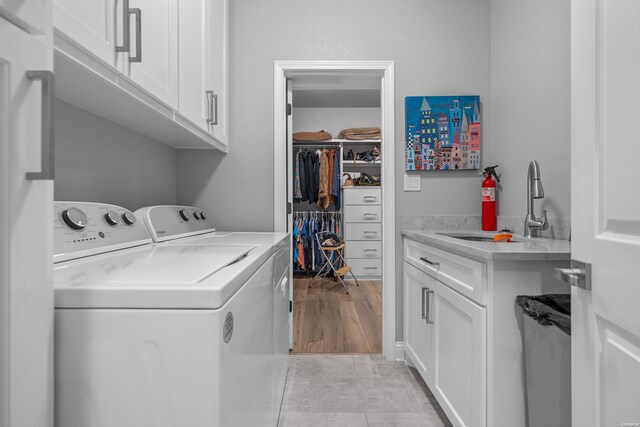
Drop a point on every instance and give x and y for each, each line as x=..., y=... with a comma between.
x=359, y=134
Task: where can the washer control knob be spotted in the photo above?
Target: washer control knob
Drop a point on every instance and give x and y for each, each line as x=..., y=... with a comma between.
x=202, y=215
x=184, y=214
x=112, y=218
x=129, y=218
x=196, y=215
x=75, y=218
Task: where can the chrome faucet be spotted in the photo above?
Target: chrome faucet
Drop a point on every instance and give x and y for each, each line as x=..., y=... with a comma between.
x=534, y=191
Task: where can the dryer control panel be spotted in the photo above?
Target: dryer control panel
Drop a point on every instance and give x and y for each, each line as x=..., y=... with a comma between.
x=81, y=229
x=168, y=222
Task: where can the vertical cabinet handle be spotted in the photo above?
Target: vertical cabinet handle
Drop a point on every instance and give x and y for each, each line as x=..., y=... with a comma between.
x=126, y=29
x=138, y=14
x=426, y=311
x=47, y=150
x=214, y=119
x=212, y=108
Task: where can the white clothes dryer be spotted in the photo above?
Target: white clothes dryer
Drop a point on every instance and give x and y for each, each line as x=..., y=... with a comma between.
x=158, y=335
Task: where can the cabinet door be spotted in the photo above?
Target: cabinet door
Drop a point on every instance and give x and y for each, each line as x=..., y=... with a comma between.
x=31, y=15
x=460, y=357
x=26, y=248
x=192, y=64
x=96, y=25
x=418, y=310
x=153, y=58
x=218, y=67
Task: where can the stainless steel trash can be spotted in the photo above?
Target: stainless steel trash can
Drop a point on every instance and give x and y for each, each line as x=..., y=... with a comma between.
x=547, y=349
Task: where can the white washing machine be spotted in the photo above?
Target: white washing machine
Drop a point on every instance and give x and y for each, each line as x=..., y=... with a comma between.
x=188, y=225
x=159, y=335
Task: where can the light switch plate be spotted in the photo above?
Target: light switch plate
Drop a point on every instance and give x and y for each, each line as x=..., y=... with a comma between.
x=411, y=182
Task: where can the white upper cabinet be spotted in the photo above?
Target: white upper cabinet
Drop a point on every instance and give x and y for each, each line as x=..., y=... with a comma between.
x=94, y=25
x=161, y=65
x=153, y=54
x=203, y=45
x=33, y=16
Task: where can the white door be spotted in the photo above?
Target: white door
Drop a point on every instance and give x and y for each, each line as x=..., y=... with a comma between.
x=153, y=57
x=605, y=210
x=289, y=162
x=97, y=25
x=419, y=288
x=192, y=68
x=460, y=357
x=202, y=64
x=217, y=57
x=26, y=249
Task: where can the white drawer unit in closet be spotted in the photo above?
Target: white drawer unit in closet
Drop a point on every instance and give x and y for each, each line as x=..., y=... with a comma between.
x=363, y=196
x=363, y=230
x=362, y=214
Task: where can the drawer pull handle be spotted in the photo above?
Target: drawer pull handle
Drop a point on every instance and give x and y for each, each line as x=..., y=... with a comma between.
x=426, y=312
x=371, y=250
x=370, y=233
x=371, y=268
x=432, y=263
x=369, y=199
x=370, y=215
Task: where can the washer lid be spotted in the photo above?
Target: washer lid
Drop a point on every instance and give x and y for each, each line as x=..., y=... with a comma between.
x=149, y=276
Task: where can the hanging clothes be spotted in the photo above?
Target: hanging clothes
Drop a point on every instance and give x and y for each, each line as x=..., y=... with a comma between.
x=306, y=250
x=316, y=176
x=335, y=179
x=323, y=190
x=297, y=186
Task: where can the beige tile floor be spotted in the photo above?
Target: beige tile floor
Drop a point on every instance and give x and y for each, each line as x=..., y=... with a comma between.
x=356, y=391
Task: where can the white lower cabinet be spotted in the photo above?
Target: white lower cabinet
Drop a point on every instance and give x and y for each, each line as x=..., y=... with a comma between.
x=471, y=355
x=460, y=357
x=445, y=340
x=419, y=335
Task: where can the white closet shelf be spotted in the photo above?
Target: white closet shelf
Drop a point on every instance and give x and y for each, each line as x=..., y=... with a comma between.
x=361, y=163
x=346, y=142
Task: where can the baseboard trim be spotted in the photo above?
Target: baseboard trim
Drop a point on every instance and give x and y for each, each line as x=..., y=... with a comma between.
x=400, y=356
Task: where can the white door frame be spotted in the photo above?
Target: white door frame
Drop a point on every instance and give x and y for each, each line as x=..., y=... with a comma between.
x=385, y=70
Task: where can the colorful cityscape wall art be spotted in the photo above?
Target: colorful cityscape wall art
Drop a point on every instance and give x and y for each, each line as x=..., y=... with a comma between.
x=442, y=132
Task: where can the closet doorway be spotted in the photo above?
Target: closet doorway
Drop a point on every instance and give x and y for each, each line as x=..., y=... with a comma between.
x=338, y=186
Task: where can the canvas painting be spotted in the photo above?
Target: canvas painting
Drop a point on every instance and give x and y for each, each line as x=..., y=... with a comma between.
x=442, y=132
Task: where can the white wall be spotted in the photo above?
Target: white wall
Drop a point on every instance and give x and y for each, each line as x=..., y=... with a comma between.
x=530, y=102
x=99, y=161
x=439, y=48
x=513, y=53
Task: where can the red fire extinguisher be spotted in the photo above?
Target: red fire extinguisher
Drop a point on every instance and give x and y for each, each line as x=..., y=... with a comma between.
x=489, y=198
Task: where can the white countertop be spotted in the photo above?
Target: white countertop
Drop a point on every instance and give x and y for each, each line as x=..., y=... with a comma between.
x=520, y=249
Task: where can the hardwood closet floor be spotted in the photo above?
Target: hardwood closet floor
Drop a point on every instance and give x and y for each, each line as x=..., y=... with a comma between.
x=327, y=320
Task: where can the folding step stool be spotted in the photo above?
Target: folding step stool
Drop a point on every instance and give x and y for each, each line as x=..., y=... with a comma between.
x=338, y=265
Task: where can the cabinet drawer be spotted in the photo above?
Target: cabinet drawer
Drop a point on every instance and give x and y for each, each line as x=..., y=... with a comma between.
x=365, y=267
x=362, y=196
x=363, y=249
x=363, y=213
x=363, y=231
x=465, y=275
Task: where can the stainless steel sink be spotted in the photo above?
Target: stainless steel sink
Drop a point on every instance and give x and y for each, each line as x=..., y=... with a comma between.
x=474, y=238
